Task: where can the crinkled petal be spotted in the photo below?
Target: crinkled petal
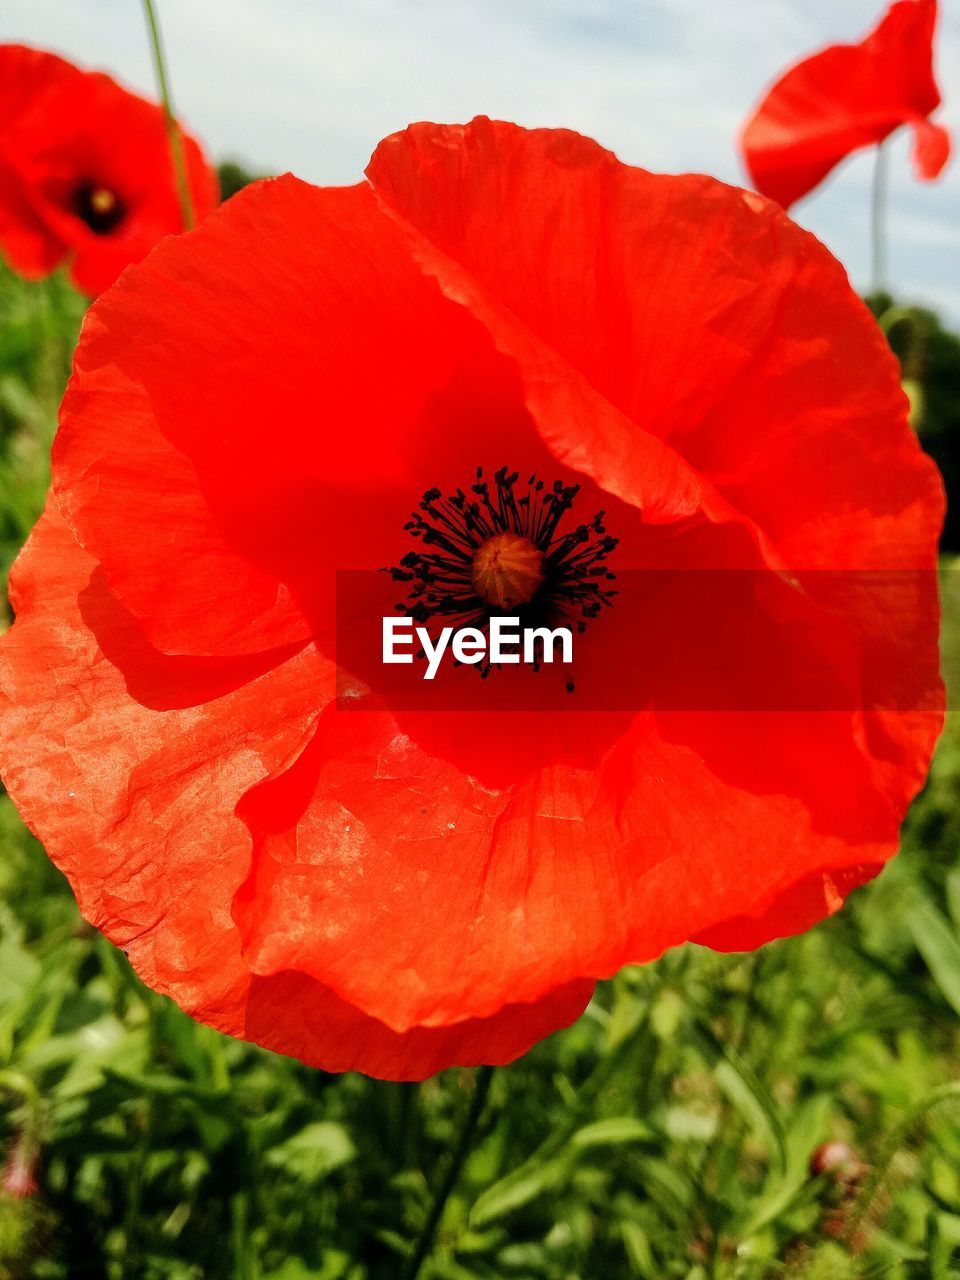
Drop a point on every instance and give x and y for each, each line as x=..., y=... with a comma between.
x=480, y=895
x=543, y=235
x=744, y=346
x=129, y=764
x=126, y=762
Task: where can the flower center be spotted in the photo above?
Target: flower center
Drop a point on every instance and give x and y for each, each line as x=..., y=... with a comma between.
x=505, y=549
x=507, y=570
x=98, y=206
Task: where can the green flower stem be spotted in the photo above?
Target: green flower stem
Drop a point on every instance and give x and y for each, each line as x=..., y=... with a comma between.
x=177, y=153
x=241, y=1201
x=464, y=1142
x=878, y=220
x=141, y=1152
x=243, y=1259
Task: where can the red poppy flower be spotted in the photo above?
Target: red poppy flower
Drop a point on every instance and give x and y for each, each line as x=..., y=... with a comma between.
x=86, y=175
x=317, y=861
x=845, y=97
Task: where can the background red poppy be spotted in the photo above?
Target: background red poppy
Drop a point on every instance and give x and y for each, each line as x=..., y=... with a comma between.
x=846, y=97
x=86, y=174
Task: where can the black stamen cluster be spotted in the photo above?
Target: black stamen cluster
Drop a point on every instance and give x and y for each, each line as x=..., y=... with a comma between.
x=451, y=531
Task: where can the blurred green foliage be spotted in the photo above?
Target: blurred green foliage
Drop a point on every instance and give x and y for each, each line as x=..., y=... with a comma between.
x=930, y=358
x=669, y=1133
x=233, y=177
x=39, y=325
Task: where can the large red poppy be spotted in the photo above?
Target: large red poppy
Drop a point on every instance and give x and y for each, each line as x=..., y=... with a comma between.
x=846, y=97
x=86, y=173
x=333, y=869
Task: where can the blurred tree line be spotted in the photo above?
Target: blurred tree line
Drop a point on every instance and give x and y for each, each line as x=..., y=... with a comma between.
x=929, y=356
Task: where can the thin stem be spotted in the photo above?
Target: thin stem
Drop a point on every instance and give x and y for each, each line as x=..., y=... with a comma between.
x=878, y=220
x=173, y=129
x=425, y=1243
x=144, y=1143
x=241, y=1200
x=243, y=1260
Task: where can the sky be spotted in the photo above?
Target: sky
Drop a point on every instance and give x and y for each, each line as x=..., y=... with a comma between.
x=312, y=85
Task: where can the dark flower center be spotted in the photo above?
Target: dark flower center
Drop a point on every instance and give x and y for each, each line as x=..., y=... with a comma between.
x=99, y=207
x=505, y=549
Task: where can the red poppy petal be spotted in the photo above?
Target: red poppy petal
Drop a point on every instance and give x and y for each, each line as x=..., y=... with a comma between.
x=902, y=47
x=293, y=384
x=25, y=73
x=744, y=347
x=564, y=866
x=25, y=242
x=579, y=891
x=547, y=256
x=840, y=99
x=292, y=1014
x=931, y=149
x=131, y=794
x=139, y=815
x=145, y=501
x=694, y=820
x=792, y=911
x=818, y=454
x=801, y=130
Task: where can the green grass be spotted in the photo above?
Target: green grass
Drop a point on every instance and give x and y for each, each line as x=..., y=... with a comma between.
x=667, y=1134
